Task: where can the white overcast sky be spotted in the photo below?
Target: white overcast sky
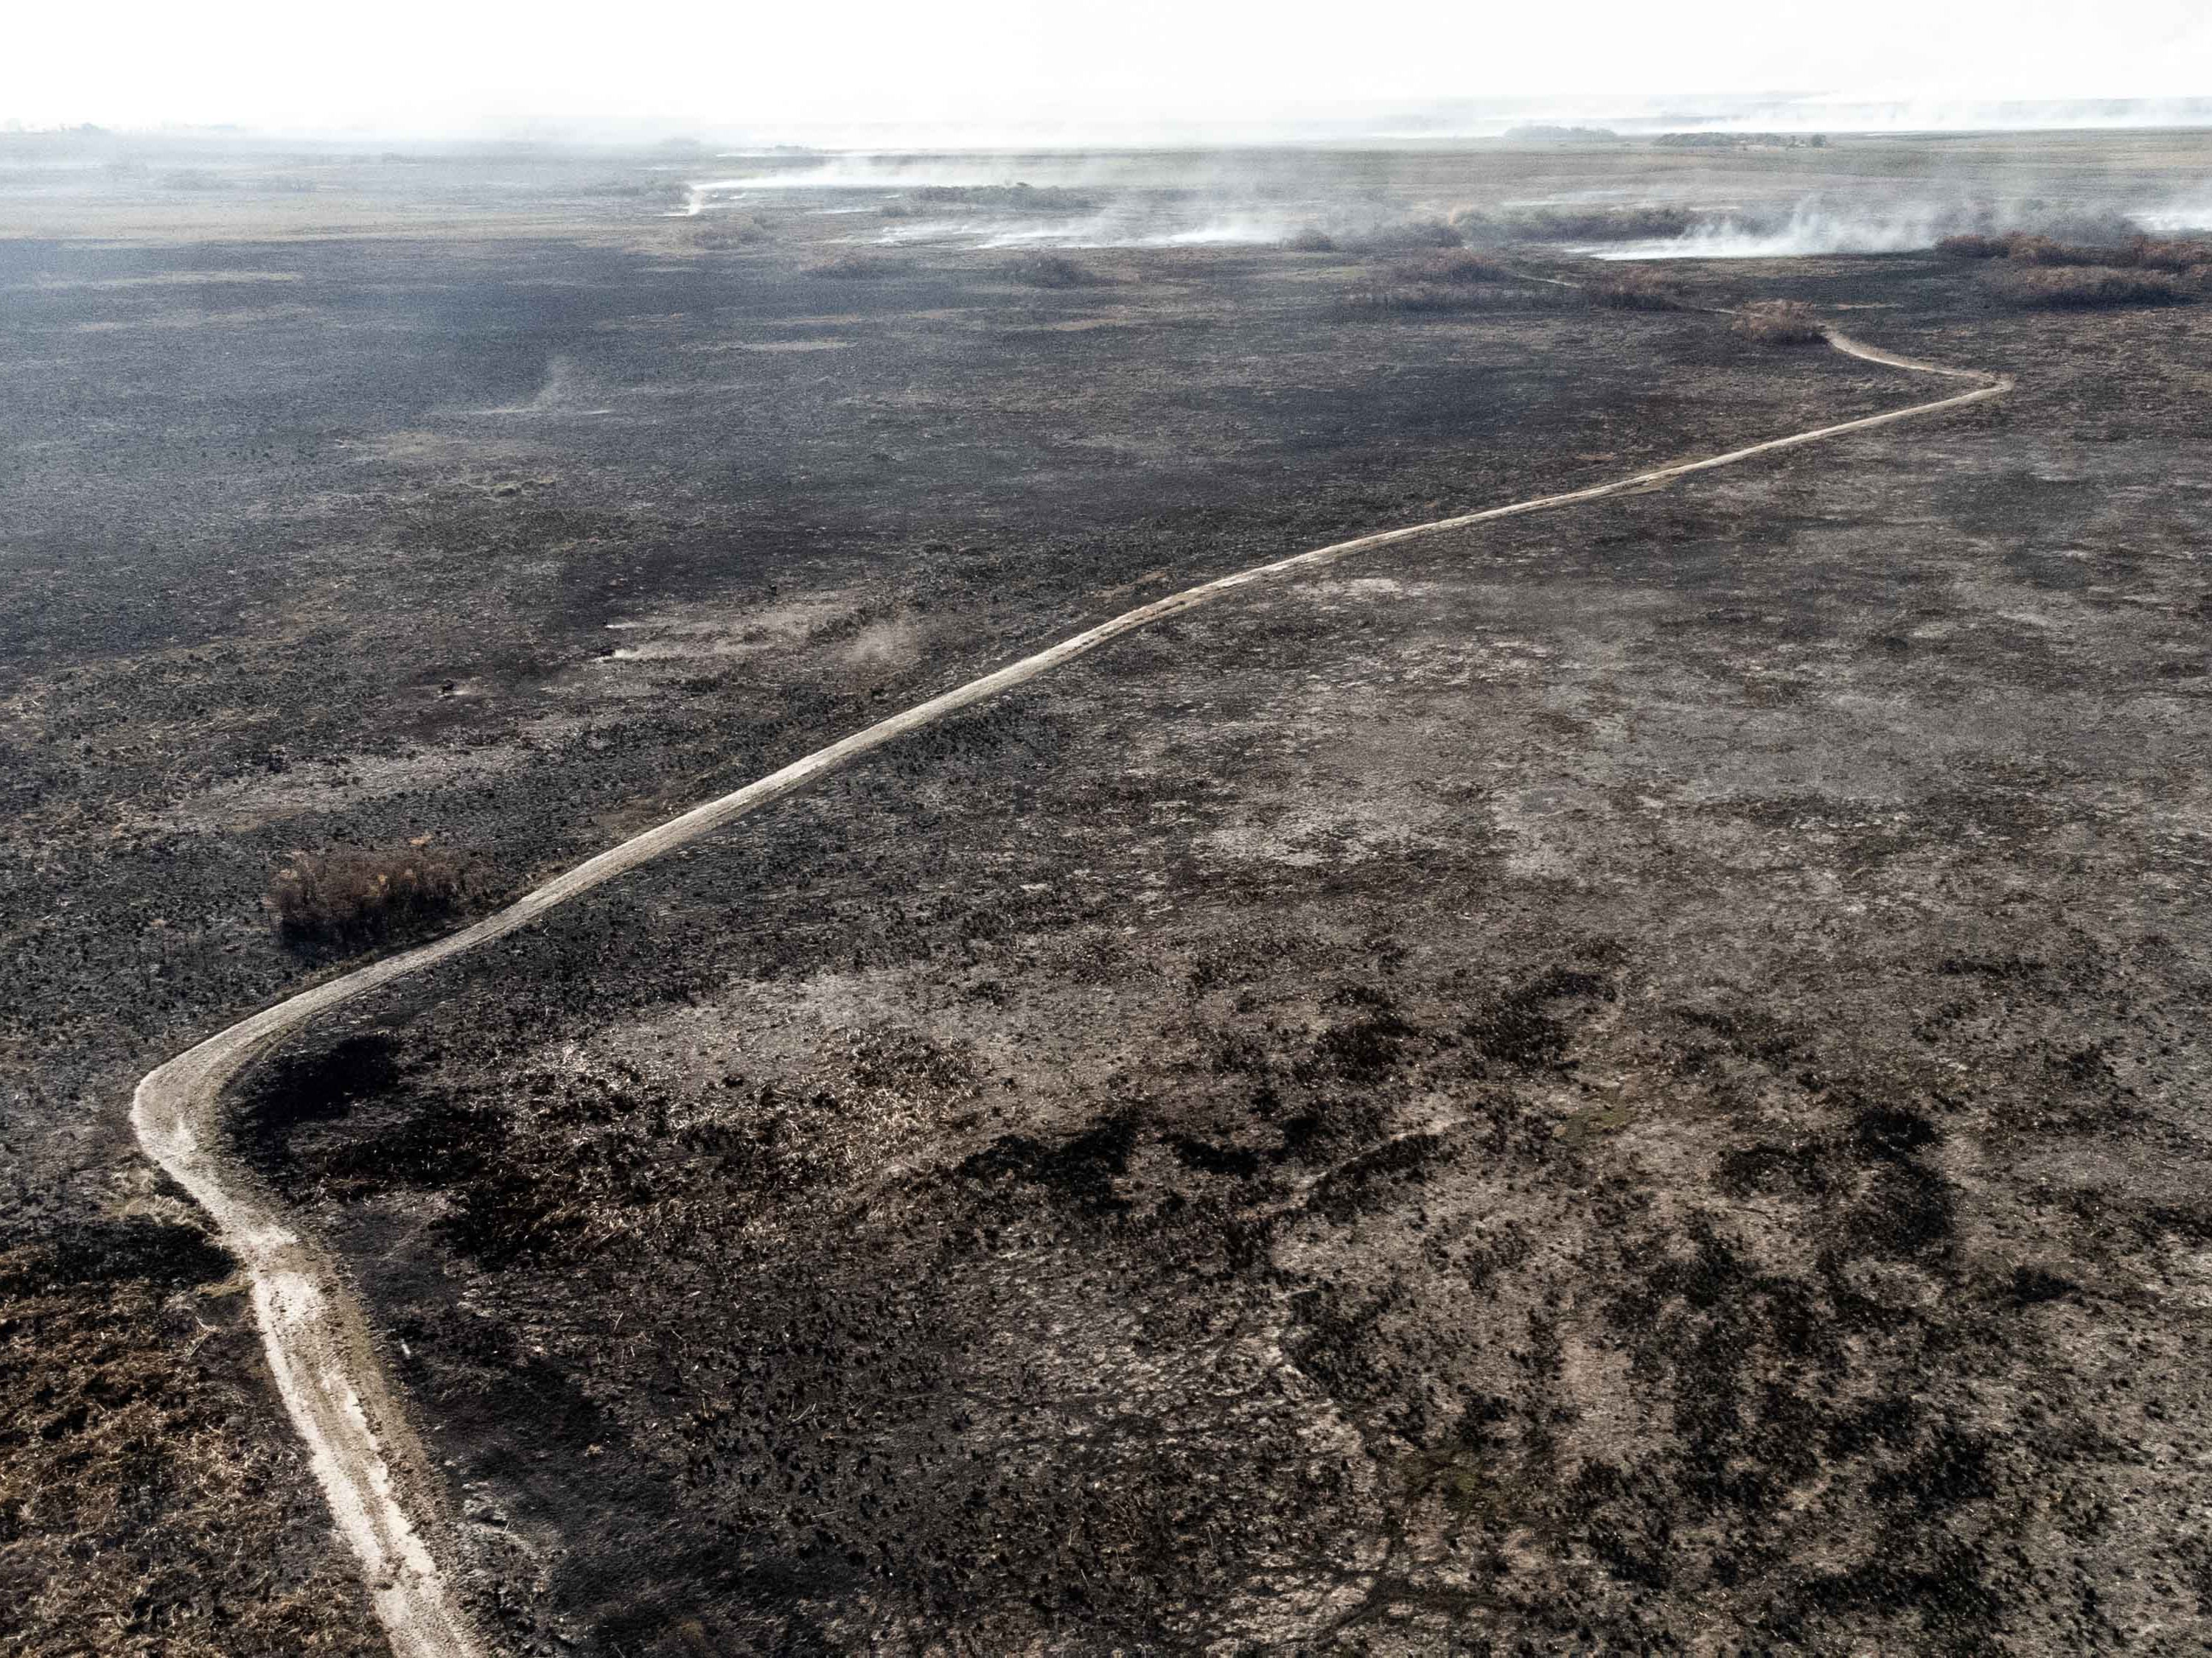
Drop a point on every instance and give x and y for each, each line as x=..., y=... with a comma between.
x=449, y=65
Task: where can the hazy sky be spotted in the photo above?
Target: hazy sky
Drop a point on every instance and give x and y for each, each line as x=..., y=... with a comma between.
x=447, y=65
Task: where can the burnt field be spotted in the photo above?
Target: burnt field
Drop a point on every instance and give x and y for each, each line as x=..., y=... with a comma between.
x=1625, y=1078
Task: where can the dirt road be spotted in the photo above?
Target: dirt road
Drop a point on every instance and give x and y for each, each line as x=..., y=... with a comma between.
x=316, y=1338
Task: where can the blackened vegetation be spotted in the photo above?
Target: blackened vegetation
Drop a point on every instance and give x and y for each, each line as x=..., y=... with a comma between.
x=296, y=1089
x=1052, y=270
x=1328, y=1360
x=101, y=1428
x=1526, y=1028
x=1080, y=1171
x=944, y=1397
x=161, y=1254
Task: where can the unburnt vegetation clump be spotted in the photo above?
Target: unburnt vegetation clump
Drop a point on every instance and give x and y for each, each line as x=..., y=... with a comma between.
x=2081, y=287
x=726, y=231
x=1407, y=234
x=2176, y=256
x=2022, y=248
x=1481, y=227
x=1777, y=322
x=360, y=897
x=1635, y=290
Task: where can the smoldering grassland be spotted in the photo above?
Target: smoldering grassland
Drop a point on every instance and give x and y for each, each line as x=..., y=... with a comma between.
x=508, y=545
x=205, y=666
x=1488, y=1096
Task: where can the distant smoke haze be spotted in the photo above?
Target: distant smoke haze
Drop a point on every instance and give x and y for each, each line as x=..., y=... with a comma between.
x=994, y=72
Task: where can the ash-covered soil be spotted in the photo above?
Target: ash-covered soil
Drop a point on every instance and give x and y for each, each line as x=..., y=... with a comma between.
x=1628, y=1080
x=1479, y=1100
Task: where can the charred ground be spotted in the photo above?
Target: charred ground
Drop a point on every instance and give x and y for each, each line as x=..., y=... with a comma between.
x=1623, y=1076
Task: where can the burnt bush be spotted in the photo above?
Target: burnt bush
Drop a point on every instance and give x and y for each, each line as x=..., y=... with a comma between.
x=1635, y=290
x=726, y=231
x=359, y=897
x=1777, y=322
x=2081, y=287
x=1052, y=270
x=1311, y=240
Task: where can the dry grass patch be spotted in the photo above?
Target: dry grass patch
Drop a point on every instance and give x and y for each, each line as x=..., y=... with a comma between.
x=360, y=897
x=1778, y=322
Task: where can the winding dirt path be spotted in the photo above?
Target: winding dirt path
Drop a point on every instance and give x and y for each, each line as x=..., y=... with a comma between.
x=316, y=1336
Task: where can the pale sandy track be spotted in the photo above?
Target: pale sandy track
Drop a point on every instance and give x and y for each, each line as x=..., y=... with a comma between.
x=315, y=1334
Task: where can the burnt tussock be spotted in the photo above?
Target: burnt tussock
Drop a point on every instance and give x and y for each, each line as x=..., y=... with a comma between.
x=362, y=897
x=1778, y=322
x=1637, y=290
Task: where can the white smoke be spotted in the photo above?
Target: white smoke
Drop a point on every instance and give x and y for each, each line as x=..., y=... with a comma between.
x=1809, y=230
x=1127, y=224
x=2176, y=218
